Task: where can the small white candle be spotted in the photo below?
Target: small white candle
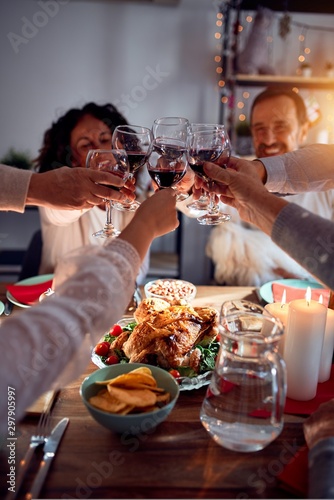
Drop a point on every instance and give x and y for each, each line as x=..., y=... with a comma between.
x=279, y=310
x=305, y=332
x=327, y=348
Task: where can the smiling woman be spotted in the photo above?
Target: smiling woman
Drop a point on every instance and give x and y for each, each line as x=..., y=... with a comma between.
x=67, y=142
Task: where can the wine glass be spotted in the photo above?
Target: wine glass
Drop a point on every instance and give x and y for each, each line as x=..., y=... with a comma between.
x=136, y=141
x=202, y=204
x=116, y=162
x=172, y=128
x=211, y=144
x=167, y=162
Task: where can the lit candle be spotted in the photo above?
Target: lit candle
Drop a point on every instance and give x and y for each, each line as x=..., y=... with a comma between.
x=279, y=310
x=327, y=348
x=303, y=346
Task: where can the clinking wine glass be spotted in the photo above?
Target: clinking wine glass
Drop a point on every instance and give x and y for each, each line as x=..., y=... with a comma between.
x=172, y=127
x=114, y=161
x=209, y=145
x=136, y=141
x=202, y=204
x=167, y=162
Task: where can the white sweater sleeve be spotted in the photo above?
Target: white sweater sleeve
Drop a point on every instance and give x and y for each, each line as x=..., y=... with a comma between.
x=14, y=188
x=307, y=169
x=50, y=343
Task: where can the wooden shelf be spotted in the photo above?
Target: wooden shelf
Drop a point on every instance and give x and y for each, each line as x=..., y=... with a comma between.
x=321, y=83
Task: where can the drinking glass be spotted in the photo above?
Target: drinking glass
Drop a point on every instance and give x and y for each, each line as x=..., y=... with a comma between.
x=202, y=204
x=211, y=144
x=167, y=162
x=114, y=161
x=136, y=141
x=244, y=403
x=171, y=128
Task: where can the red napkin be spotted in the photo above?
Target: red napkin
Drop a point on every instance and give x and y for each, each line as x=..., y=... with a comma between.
x=29, y=294
x=293, y=293
x=295, y=475
x=325, y=392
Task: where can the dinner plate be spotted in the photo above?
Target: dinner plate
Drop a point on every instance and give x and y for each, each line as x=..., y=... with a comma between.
x=266, y=289
x=185, y=383
x=2, y=307
x=34, y=280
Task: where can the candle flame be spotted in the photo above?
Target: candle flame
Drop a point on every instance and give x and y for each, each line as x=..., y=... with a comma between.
x=321, y=299
x=283, y=300
x=308, y=295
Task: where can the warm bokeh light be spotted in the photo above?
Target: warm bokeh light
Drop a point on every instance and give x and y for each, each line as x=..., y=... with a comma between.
x=218, y=36
x=301, y=58
x=219, y=15
x=242, y=117
x=245, y=95
x=295, y=89
x=221, y=83
x=249, y=19
x=218, y=58
x=240, y=28
x=240, y=105
x=307, y=50
x=224, y=99
x=219, y=23
x=219, y=70
x=301, y=38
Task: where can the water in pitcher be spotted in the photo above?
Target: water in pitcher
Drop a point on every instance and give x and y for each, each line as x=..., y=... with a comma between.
x=239, y=411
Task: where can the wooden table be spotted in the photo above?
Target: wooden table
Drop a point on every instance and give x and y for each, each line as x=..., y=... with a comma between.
x=177, y=460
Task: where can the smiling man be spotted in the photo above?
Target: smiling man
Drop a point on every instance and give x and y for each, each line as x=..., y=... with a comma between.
x=242, y=254
x=279, y=122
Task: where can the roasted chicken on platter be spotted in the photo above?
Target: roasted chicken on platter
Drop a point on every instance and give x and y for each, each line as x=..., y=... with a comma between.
x=168, y=335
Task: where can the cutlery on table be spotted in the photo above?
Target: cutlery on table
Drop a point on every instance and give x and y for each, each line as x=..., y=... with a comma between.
x=50, y=448
x=36, y=440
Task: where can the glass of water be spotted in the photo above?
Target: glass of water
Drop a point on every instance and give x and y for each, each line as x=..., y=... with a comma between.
x=244, y=403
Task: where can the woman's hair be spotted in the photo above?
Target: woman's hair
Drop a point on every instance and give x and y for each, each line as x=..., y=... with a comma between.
x=56, y=150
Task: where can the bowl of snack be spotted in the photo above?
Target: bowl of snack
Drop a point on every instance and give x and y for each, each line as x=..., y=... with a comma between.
x=174, y=291
x=130, y=398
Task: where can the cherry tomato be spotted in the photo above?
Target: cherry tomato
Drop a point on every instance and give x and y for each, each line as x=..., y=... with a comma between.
x=102, y=348
x=112, y=360
x=116, y=330
x=175, y=373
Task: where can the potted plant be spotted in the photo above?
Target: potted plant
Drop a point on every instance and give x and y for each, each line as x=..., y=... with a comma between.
x=305, y=69
x=329, y=68
x=19, y=159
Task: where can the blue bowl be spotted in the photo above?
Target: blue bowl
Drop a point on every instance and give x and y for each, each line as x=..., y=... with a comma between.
x=135, y=423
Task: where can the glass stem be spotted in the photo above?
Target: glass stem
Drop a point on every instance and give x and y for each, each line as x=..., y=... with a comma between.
x=213, y=206
x=109, y=223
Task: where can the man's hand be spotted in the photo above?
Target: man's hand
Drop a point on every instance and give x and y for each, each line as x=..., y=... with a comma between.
x=76, y=188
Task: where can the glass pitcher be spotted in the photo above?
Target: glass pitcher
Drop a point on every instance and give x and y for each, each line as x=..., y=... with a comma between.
x=244, y=403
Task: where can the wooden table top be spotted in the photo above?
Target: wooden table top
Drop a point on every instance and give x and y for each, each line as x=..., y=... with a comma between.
x=177, y=460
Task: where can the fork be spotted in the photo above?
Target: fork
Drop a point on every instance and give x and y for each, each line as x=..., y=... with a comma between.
x=36, y=440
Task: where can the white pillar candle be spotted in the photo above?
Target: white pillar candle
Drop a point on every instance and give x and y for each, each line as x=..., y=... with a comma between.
x=327, y=348
x=279, y=310
x=305, y=332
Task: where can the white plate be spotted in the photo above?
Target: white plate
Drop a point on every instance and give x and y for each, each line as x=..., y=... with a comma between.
x=2, y=307
x=185, y=383
x=35, y=280
x=266, y=289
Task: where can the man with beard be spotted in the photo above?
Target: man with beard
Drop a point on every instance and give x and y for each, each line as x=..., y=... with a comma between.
x=242, y=254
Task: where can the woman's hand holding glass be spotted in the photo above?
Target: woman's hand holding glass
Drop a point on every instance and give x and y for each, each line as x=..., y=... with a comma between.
x=136, y=141
x=116, y=162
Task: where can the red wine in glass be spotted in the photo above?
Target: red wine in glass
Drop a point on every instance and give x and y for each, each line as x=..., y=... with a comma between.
x=167, y=162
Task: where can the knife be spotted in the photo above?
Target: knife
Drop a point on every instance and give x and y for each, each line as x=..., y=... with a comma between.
x=50, y=449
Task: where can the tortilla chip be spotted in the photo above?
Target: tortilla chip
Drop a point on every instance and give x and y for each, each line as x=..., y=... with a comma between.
x=127, y=379
x=104, y=401
x=135, y=397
